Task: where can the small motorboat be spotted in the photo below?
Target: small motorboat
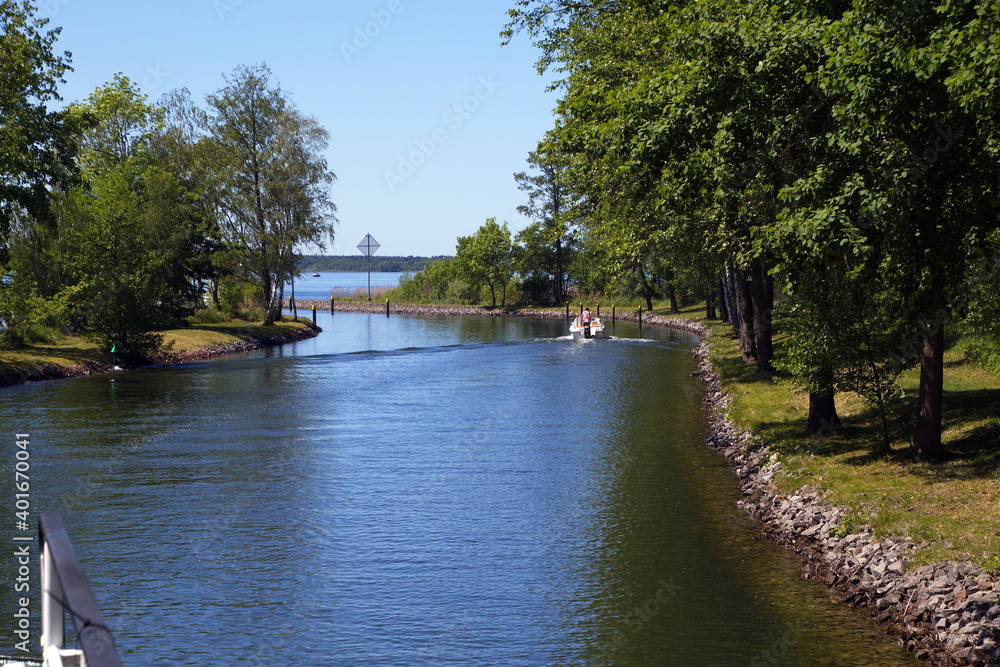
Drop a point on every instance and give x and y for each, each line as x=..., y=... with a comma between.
x=586, y=329
x=316, y=275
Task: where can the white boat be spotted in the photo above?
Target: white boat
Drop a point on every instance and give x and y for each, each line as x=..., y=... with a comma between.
x=588, y=330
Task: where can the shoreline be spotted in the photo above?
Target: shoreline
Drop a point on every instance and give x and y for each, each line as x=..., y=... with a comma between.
x=947, y=613
x=49, y=371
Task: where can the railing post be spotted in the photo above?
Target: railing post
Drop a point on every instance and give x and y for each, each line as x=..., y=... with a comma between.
x=53, y=630
x=64, y=585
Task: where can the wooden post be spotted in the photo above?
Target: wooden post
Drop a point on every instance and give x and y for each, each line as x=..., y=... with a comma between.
x=567, y=310
x=598, y=310
x=612, y=315
x=332, y=305
x=387, y=307
x=640, y=318
x=314, y=313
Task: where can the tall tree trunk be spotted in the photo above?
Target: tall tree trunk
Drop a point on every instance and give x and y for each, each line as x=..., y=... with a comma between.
x=672, y=295
x=823, y=417
x=744, y=318
x=646, y=291
x=724, y=302
x=759, y=292
x=268, y=299
x=710, y=306
x=927, y=436
x=280, y=300
x=731, y=294
x=560, y=292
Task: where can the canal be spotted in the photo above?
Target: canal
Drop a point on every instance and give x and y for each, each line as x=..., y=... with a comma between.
x=420, y=491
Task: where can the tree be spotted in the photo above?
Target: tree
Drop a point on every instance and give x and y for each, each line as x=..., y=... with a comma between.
x=486, y=258
x=918, y=175
x=37, y=150
x=273, y=182
x=549, y=244
x=128, y=236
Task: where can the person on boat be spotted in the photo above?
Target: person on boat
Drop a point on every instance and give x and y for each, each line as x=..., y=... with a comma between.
x=585, y=316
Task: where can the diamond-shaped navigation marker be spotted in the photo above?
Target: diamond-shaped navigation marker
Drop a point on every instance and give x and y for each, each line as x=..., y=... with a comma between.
x=368, y=245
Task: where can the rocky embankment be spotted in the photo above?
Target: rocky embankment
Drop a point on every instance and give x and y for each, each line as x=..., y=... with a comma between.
x=947, y=613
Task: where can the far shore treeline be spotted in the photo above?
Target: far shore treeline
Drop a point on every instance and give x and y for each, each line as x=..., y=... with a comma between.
x=358, y=263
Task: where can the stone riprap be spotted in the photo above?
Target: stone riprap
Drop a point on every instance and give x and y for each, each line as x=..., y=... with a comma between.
x=947, y=613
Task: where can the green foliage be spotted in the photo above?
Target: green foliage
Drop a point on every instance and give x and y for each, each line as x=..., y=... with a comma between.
x=441, y=282
x=487, y=259
x=273, y=181
x=545, y=249
x=37, y=146
x=27, y=317
x=982, y=350
x=854, y=138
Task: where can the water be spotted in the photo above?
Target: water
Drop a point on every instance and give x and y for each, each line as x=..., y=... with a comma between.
x=420, y=491
x=326, y=284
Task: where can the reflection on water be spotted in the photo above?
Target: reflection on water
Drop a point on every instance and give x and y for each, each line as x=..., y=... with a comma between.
x=423, y=491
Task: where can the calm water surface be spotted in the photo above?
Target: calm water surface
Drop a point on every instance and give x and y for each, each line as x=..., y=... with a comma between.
x=420, y=491
x=329, y=283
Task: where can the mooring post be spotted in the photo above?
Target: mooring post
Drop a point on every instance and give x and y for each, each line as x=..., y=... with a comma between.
x=612, y=316
x=314, y=313
x=332, y=304
x=598, y=310
x=640, y=318
x=387, y=307
x=567, y=310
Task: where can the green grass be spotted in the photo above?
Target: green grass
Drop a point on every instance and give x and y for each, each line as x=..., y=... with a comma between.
x=71, y=350
x=950, y=509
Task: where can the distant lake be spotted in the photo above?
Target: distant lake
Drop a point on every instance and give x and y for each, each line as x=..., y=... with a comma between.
x=339, y=284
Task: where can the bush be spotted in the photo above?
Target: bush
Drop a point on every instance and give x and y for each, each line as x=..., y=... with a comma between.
x=982, y=350
x=440, y=282
x=26, y=317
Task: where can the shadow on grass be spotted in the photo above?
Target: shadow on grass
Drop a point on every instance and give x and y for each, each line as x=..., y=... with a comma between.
x=974, y=454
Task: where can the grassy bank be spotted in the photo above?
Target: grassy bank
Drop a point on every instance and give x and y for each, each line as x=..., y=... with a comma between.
x=75, y=355
x=950, y=509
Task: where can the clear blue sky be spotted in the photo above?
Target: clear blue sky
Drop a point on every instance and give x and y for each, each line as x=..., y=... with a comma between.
x=429, y=116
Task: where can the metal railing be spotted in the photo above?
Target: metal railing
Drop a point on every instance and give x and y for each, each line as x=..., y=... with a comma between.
x=65, y=589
